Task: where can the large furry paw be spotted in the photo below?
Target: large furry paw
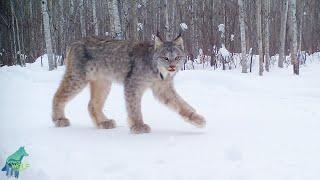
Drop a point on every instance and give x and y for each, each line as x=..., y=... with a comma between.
x=61, y=122
x=194, y=118
x=197, y=120
x=140, y=128
x=109, y=124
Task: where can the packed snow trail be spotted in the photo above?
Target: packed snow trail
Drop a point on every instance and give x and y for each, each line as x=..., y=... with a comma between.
x=257, y=128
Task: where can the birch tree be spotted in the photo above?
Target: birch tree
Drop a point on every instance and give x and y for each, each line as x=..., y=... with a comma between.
x=95, y=20
x=47, y=34
x=283, y=28
x=82, y=19
x=62, y=27
x=302, y=14
x=242, y=37
x=266, y=10
x=259, y=34
x=293, y=32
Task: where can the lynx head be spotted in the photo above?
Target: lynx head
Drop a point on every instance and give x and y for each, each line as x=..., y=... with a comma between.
x=169, y=55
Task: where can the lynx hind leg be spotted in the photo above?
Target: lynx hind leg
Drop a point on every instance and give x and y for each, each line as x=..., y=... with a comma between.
x=99, y=91
x=70, y=86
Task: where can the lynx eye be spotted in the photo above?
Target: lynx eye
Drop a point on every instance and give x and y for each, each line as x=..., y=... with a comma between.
x=165, y=58
x=177, y=58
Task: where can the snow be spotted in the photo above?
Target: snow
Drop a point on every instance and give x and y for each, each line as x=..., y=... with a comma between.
x=140, y=27
x=232, y=37
x=184, y=26
x=223, y=51
x=257, y=128
x=221, y=28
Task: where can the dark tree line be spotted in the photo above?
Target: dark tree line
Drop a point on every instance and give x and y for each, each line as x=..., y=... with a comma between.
x=22, y=37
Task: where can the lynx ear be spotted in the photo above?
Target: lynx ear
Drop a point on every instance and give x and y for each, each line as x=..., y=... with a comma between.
x=179, y=42
x=157, y=41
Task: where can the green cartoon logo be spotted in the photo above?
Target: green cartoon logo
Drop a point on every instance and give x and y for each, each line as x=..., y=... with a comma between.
x=13, y=163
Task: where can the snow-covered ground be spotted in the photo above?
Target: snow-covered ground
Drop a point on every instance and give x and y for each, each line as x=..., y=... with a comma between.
x=258, y=128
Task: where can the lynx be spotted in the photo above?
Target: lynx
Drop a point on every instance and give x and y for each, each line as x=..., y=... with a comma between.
x=99, y=61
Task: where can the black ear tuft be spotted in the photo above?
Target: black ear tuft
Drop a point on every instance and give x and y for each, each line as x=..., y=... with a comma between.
x=179, y=35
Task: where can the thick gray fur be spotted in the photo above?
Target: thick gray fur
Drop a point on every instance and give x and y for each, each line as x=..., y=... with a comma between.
x=137, y=65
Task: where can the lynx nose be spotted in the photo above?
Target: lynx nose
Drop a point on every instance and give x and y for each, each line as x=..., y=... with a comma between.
x=172, y=68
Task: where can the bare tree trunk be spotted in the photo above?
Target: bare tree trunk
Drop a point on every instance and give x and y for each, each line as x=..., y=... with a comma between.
x=95, y=20
x=259, y=34
x=14, y=34
x=284, y=16
x=71, y=7
x=22, y=49
x=300, y=58
x=54, y=33
x=18, y=41
x=47, y=34
x=213, y=61
x=133, y=20
x=114, y=19
x=242, y=37
x=82, y=19
x=124, y=14
x=70, y=26
x=166, y=17
x=194, y=27
x=62, y=31
x=142, y=19
x=19, y=55
x=266, y=8
x=221, y=28
x=293, y=30
x=32, y=47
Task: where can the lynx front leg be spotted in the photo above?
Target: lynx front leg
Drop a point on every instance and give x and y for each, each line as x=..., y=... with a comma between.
x=133, y=95
x=99, y=91
x=165, y=92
